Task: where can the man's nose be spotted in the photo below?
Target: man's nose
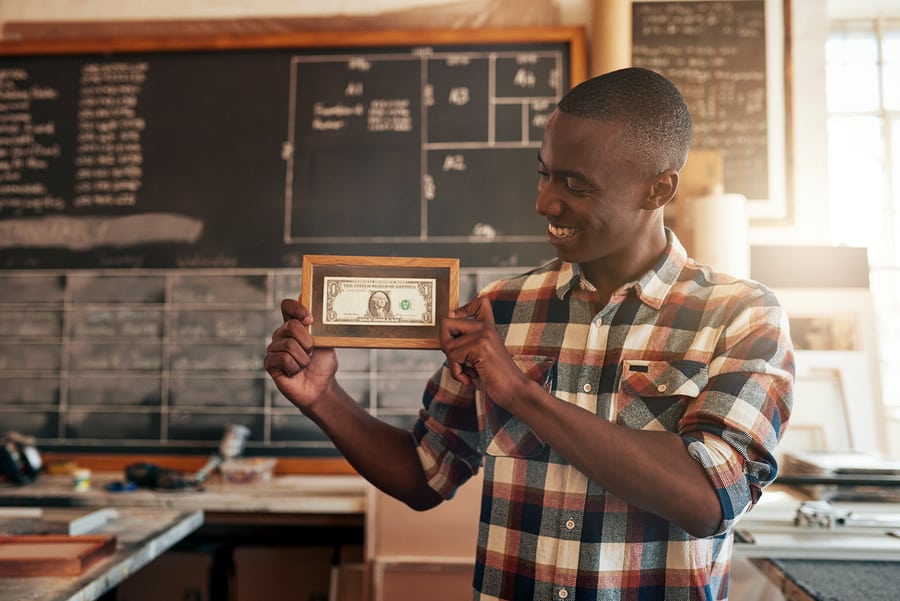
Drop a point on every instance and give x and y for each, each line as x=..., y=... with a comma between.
x=547, y=203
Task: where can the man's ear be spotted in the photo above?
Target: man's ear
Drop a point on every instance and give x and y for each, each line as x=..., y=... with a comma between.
x=662, y=190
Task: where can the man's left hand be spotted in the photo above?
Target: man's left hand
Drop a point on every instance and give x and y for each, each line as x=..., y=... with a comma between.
x=476, y=353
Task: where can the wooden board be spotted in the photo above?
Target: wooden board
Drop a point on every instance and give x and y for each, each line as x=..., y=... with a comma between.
x=53, y=520
x=51, y=554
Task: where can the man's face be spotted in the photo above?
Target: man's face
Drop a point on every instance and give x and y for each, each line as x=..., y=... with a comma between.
x=592, y=196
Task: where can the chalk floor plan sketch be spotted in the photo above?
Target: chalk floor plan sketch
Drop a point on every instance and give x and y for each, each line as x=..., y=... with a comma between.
x=417, y=133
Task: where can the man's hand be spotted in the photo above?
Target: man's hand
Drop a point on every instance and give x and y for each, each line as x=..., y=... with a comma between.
x=301, y=372
x=476, y=354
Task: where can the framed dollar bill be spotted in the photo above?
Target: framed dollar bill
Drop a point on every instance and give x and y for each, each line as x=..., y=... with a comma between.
x=378, y=302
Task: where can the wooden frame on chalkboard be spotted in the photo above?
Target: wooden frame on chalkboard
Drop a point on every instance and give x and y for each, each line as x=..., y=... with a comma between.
x=378, y=302
x=573, y=36
x=775, y=205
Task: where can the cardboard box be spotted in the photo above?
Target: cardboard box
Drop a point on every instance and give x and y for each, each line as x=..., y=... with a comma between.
x=181, y=575
x=407, y=581
x=349, y=580
x=279, y=573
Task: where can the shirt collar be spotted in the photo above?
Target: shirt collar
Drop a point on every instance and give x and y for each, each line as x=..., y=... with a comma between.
x=652, y=288
x=570, y=277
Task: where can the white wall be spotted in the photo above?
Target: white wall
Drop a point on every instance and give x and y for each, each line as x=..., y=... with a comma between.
x=78, y=10
x=572, y=11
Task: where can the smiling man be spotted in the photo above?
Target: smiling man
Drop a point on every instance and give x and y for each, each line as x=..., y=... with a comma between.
x=623, y=401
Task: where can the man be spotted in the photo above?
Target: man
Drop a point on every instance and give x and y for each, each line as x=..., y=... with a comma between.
x=623, y=401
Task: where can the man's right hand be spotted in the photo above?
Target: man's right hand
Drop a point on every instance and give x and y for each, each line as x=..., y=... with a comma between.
x=305, y=375
x=301, y=372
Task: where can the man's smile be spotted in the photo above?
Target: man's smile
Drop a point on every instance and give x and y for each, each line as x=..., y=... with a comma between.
x=561, y=231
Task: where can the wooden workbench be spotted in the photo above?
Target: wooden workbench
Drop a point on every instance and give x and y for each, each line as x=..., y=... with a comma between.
x=142, y=535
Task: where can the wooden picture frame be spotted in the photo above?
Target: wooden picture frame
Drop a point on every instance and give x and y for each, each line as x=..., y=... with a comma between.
x=378, y=302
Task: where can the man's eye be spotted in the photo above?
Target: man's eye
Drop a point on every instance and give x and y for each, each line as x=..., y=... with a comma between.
x=575, y=187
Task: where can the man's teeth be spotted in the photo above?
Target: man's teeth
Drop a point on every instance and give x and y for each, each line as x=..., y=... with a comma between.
x=561, y=232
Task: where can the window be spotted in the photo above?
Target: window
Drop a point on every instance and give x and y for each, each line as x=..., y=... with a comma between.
x=862, y=62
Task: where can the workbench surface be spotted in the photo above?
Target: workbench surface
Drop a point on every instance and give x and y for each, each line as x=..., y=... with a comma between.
x=142, y=535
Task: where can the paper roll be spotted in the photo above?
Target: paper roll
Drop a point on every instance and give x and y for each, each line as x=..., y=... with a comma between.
x=721, y=233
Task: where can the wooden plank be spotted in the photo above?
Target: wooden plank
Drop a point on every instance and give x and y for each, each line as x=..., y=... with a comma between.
x=117, y=462
x=51, y=554
x=54, y=520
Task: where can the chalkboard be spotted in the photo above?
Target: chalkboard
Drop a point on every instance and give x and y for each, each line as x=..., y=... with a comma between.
x=157, y=197
x=727, y=58
x=251, y=151
x=162, y=361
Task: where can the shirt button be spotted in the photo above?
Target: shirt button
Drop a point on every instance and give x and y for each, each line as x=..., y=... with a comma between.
x=570, y=524
x=662, y=387
x=563, y=593
x=587, y=387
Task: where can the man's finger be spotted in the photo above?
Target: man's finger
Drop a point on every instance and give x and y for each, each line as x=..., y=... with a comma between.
x=478, y=308
x=482, y=311
x=292, y=308
x=461, y=373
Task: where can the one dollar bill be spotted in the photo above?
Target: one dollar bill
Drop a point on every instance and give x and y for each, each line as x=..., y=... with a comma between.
x=382, y=301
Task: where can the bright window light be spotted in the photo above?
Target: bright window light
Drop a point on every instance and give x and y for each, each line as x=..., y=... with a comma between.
x=862, y=72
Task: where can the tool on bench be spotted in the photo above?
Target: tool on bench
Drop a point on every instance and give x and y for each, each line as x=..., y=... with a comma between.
x=822, y=514
x=153, y=476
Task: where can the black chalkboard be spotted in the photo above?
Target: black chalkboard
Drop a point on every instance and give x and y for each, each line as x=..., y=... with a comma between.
x=716, y=52
x=157, y=197
x=252, y=151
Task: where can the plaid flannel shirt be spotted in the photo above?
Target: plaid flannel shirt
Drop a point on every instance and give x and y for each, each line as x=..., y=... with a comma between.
x=681, y=349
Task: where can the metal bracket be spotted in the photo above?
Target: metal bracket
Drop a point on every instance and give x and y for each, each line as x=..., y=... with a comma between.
x=820, y=514
x=823, y=515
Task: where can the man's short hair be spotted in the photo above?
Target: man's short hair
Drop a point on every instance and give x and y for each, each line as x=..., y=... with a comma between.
x=660, y=129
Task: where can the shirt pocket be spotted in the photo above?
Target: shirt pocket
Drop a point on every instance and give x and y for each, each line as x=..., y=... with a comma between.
x=504, y=434
x=653, y=395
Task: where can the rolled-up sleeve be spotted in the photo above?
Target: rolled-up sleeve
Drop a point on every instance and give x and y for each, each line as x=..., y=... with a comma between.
x=734, y=425
x=447, y=433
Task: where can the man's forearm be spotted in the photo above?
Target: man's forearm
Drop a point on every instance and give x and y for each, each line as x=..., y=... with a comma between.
x=649, y=469
x=383, y=454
